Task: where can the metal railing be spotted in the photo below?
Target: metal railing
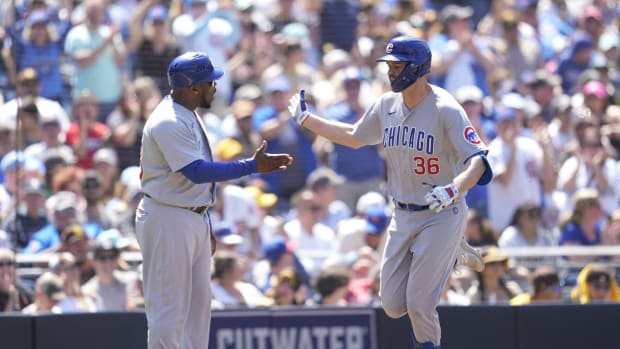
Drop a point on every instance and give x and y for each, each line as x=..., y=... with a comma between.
x=32, y=265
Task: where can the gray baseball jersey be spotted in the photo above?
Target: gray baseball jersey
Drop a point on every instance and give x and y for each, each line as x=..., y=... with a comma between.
x=428, y=144
x=174, y=137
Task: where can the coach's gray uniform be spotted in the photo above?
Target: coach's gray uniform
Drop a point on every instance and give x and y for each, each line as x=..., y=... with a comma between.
x=174, y=137
x=429, y=144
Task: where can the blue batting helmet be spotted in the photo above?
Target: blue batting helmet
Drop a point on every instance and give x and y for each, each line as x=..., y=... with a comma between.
x=412, y=50
x=192, y=68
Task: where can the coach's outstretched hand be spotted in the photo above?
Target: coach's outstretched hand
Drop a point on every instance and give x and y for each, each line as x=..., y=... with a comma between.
x=298, y=108
x=266, y=162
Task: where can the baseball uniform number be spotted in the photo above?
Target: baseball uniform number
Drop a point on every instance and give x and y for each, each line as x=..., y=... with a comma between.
x=423, y=165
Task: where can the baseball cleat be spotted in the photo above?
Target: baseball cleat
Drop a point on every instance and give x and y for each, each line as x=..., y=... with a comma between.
x=470, y=257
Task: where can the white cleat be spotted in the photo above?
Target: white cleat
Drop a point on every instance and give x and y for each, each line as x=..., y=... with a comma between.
x=470, y=257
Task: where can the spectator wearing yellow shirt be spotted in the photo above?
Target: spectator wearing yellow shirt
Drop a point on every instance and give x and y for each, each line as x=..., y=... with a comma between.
x=545, y=288
x=595, y=284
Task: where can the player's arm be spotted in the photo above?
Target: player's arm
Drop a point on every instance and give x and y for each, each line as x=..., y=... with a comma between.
x=477, y=171
x=202, y=171
x=335, y=131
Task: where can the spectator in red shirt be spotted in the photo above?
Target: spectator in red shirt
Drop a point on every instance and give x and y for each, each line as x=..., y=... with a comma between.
x=86, y=134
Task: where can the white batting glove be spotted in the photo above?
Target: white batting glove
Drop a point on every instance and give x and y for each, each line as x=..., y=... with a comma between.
x=441, y=196
x=298, y=108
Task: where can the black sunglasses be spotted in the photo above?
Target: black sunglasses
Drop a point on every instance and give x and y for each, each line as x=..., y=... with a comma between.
x=601, y=286
x=91, y=185
x=7, y=264
x=106, y=257
x=313, y=208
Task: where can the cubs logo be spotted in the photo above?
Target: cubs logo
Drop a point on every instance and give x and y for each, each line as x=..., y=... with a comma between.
x=389, y=47
x=471, y=136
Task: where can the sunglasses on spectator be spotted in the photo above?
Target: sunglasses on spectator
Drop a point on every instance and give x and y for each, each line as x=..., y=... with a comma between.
x=313, y=208
x=66, y=212
x=211, y=83
x=534, y=214
x=496, y=264
x=106, y=257
x=557, y=289
x=70, y=267
x=601, y=286
x=28, y=83
x=91, y=185
x=7, y=264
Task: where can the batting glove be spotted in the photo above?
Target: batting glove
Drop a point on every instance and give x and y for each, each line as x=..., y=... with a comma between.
x=441, y=196
x=298, y=108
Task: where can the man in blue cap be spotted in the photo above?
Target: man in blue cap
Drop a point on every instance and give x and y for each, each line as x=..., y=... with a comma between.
x=173, y=226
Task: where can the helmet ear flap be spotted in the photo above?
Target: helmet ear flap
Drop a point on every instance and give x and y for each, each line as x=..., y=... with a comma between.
x=409, y=75
x=403, y=80
x=415, y=69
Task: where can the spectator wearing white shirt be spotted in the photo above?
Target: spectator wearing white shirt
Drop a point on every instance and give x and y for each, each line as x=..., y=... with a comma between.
x=28, y=85
x=313, y=240
x=324, y=182
x=48, y=292
x=460, y=57
x=525, y=230
x=590, y=166
x=517, y=164
x=229, y=287
x=205, y=28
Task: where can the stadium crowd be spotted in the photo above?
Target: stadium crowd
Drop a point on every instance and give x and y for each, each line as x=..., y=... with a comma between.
x=538, y=79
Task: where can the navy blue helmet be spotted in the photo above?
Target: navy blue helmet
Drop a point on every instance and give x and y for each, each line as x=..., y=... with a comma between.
x=412, y=50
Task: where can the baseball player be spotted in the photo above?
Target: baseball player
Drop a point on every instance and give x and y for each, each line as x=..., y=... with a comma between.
x=433, y=156
x=173, y=227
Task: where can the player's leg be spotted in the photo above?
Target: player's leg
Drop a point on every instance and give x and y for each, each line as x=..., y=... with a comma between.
x=426, y=345
x=395, y=268
x=434, y=252
x=167, y=243
x=470, y=256
x=199, y=317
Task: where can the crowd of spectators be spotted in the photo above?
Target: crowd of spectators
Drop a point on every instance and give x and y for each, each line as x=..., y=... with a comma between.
x=539, y=80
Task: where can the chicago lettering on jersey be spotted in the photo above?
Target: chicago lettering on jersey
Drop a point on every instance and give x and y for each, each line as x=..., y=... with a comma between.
x=408, y=137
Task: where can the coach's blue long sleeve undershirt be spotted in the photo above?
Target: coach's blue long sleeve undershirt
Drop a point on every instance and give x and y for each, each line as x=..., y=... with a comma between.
x=201, y=171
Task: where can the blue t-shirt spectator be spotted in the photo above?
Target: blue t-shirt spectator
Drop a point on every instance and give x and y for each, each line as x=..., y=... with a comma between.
x=354, y=164
x=38, y=41
x=339, y=23
x=572, y=233
x=294, y=141
x=49, y=237
x=574, y=63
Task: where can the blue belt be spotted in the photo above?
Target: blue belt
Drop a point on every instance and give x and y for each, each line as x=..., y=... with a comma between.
x=201, y=210
x=410, y=207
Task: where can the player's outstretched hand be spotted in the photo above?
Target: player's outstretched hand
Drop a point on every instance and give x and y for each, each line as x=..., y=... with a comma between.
x=266, y=162
x=298, y=108
x=441, y=196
